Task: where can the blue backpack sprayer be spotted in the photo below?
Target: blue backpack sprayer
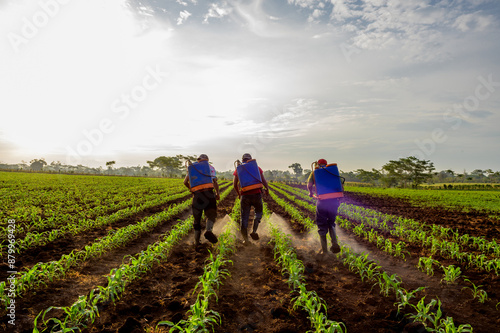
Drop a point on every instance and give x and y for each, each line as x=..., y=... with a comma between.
x=329, y=183
x=248, y=175
x=199, y=175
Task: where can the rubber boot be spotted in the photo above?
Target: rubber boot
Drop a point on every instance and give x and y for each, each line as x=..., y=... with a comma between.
x=254, y=234
x=335, y=245
x=197, y=234
x=244, y=233
x=209, y=234
x=324, y=244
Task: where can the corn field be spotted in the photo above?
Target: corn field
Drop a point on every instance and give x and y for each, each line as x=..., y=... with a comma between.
x=116, y=254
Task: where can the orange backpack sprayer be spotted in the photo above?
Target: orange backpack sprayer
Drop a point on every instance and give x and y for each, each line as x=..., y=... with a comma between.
x=199, y=175
x=329, y=184
x=248, y=175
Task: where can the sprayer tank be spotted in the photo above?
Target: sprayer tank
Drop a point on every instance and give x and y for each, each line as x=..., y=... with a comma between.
x=328, y=182
x=249, y=176
x=199, y=176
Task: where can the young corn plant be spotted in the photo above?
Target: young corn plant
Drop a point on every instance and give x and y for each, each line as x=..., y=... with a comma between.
x=480, y=294
x=448, y=326
x=404, y=297
x=316, y=307
x=451, y=274
x=426, y=265
x=387, y=283
x=400, y=250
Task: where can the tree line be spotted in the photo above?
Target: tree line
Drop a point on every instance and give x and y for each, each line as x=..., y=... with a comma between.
x=405, y=172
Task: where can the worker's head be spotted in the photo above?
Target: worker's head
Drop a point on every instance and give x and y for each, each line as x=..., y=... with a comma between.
x=246, y=157
x=202, y=157
x=322, y=162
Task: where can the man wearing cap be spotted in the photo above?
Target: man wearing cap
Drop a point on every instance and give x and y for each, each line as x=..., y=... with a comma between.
x=326, y=213
x=250, y=198
x=204, y=200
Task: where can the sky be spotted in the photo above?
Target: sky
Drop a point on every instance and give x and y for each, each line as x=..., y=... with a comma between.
x=358, y=83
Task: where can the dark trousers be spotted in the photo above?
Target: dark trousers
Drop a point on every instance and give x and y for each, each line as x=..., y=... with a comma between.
x=204, y=201
x=326, y=213
x=247, y=201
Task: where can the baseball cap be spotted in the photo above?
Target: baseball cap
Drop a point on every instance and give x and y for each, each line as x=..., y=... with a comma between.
x=203, y=157
x=322, y=161
x=246, y=157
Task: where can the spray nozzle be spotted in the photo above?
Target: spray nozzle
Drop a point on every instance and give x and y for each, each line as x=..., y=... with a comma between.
x=237, y=163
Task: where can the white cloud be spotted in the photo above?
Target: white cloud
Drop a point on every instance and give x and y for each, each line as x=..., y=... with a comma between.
x=317, y=13
x=217, y=10
x=473, y=21
x=306, y=3
x=183, y=16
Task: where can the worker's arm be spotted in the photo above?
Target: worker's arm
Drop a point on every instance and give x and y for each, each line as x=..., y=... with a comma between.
x=310, y=188
x=310, y=184
x=186, y=182
x=235, y=185
x=216, y=187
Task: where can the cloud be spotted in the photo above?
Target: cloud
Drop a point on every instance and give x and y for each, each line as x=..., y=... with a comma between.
x=473, y=21
x=217, y=10
x=183, y=16
x=311, y=4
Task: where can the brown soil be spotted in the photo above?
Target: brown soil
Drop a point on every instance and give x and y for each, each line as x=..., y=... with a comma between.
x=256, y=297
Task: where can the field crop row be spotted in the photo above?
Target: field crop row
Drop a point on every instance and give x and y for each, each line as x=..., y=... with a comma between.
x=84, y=311
x=457, y=199
x=429, y=313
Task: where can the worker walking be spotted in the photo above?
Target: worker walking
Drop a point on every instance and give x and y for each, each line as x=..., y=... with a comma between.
x=249, y=182
x=329, y=189
x=202, y=182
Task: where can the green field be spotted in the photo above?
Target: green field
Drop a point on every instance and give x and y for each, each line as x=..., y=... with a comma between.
x=456, y=199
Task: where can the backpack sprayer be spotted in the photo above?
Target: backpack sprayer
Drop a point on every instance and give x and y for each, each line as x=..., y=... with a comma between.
x=199, y=175
x=329, y=183
x=248, y=175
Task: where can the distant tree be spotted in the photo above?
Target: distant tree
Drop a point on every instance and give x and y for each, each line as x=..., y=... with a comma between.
x=110, y=164
x=307, y=173
x=477, y=174
x=170, y=165
x=37, y=164
x=495, y=177
x=369, y=176
x=297, y=169
x=409, y=170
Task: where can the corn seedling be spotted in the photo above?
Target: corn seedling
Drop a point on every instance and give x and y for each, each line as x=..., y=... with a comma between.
x=480, y=294
x=425, y=264
x=451, y=273
x=404, y=297
x=387, y=283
